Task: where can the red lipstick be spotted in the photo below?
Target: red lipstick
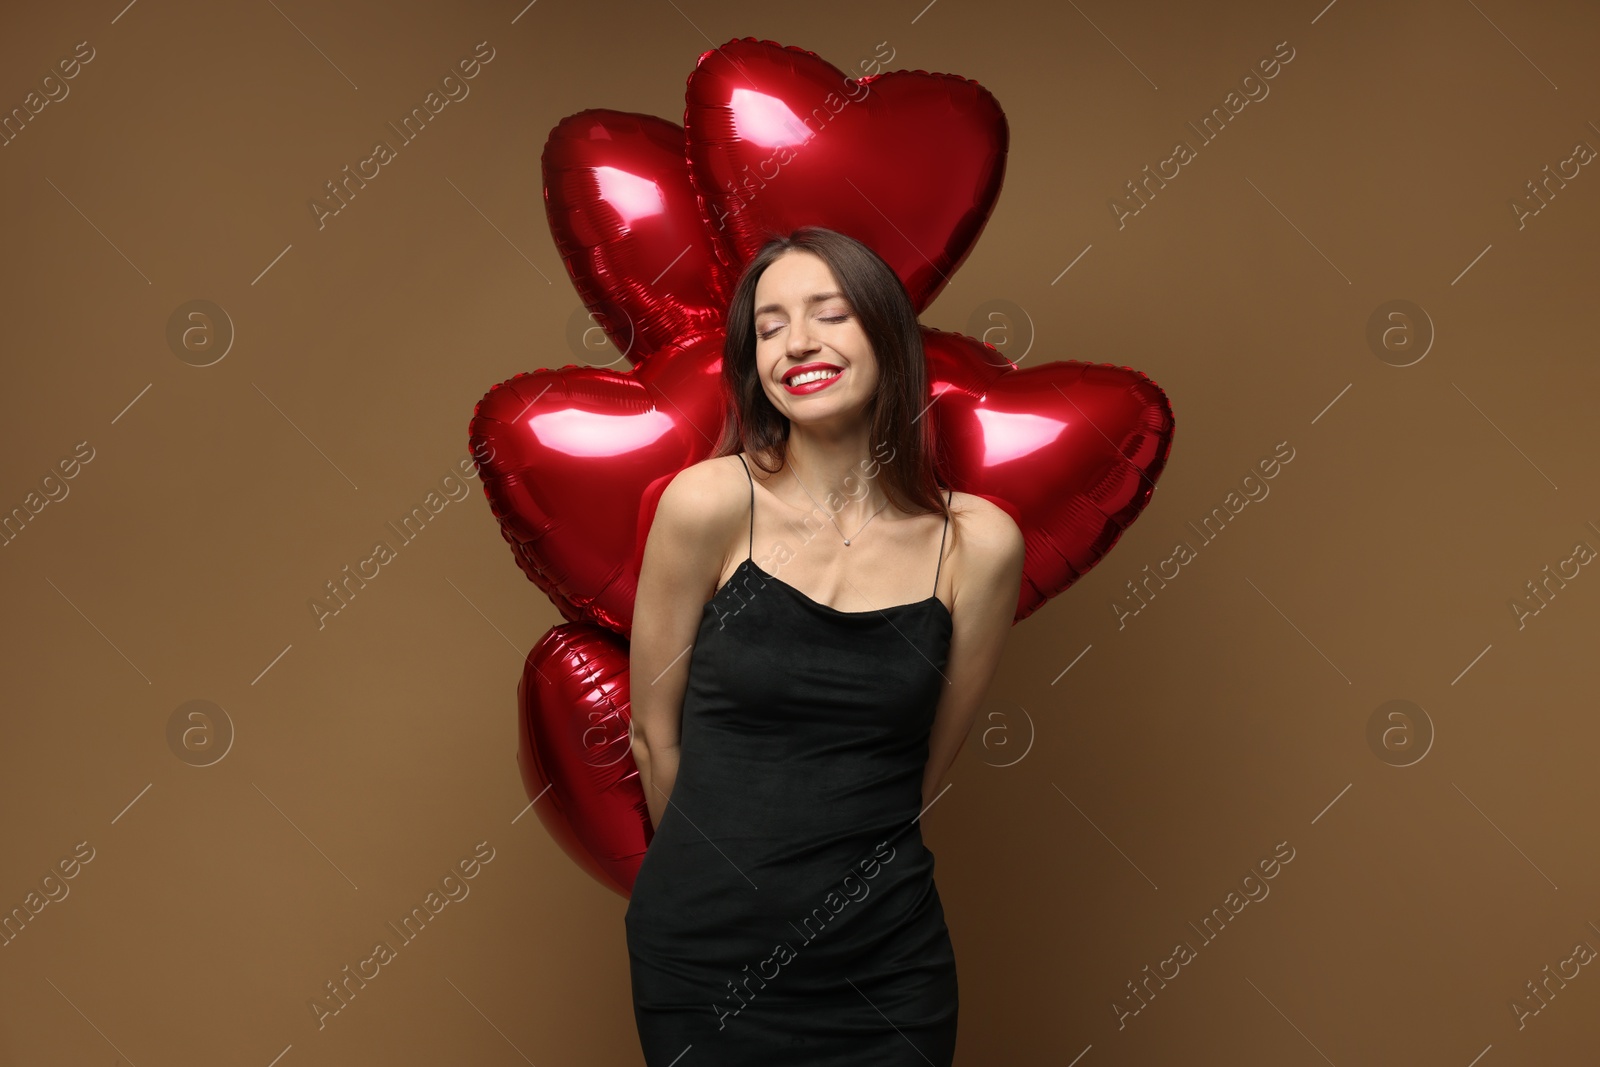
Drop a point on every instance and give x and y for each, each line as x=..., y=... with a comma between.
x=810, y=387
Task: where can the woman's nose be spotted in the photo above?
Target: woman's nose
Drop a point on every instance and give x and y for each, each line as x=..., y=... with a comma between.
x=799, y=340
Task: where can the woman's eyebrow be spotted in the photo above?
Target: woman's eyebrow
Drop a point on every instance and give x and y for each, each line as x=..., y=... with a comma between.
x=814, y=298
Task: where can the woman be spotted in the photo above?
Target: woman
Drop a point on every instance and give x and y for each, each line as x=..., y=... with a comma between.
x=789, y=732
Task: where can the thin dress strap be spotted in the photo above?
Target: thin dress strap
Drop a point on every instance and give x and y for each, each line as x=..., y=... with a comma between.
x=941, y=540
x=752, y=549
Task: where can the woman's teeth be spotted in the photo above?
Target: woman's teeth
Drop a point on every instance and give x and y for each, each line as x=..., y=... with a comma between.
x=812, y=376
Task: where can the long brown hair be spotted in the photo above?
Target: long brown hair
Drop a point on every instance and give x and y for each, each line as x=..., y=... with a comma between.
x=901, y=426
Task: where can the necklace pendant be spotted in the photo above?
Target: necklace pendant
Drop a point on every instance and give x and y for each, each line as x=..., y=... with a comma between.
x=847, y=542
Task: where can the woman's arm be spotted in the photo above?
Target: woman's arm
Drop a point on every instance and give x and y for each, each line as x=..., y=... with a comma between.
x=683, y=558
x=989, y=582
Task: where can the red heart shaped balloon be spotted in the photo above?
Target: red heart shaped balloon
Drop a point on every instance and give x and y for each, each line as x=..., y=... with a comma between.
x=575, y=751
x=907, y=162
x=621, y=210
x=565, y=456
x=1071, y=450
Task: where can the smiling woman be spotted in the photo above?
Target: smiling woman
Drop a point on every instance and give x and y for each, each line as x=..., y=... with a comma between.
x=816, y=715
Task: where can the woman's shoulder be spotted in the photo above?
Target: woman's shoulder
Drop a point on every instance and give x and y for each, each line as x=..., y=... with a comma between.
x=988, y=529
x=708, y=493
x=716, y=477
x=988, y=557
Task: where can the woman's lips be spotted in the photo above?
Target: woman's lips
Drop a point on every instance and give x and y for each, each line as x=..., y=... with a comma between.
x=812, y=387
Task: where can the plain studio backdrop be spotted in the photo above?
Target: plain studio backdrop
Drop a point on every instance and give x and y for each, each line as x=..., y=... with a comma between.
x=1372, y=675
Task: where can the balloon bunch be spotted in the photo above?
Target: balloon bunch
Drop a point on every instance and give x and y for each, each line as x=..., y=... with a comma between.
x=654, y=222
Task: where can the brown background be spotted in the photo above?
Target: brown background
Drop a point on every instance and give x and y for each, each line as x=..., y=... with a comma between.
x=1138, y=788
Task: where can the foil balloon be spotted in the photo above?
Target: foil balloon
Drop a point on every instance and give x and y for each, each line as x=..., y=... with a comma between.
x=575, y=752
x=1071, y=450
x=565, y=457
x=624, y=218
x=907, y=162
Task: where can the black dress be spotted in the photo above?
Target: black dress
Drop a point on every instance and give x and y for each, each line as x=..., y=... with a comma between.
x=785, y=912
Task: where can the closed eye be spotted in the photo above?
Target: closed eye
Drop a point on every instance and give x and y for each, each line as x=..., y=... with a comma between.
x=831, y=318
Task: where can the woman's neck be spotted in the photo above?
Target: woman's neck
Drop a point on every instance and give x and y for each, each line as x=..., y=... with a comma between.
x=836, y=472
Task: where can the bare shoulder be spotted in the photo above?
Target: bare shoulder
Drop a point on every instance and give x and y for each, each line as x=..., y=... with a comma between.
x=990, y=531
x=702, y=505
x=708, y=487
x=988, y=555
